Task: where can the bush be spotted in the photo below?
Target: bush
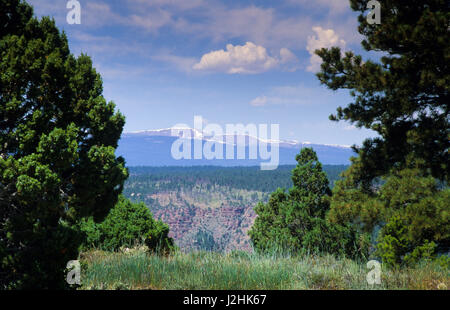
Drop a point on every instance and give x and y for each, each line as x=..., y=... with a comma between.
x=127, y=225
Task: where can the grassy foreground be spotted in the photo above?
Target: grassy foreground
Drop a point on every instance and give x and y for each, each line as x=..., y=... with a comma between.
x=244, y=271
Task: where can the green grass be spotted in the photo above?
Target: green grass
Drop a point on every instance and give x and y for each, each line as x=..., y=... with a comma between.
x=243, y=271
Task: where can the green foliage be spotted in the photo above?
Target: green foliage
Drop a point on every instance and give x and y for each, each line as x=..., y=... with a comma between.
x=126, y=225
x=405, y=100
x=443, y=261
x=412, y=210
x=393, y=243
x=57, y=141
x=405, y=97
x=295, y=221
x=426, y=251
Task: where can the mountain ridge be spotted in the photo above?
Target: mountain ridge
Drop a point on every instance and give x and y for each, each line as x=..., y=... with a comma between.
x=199, y=135
x=153, y=148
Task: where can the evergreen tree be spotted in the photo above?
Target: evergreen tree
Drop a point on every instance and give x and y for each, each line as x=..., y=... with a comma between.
x=57, y=141
x=411, y=209
x=405, y=98
x=296, y=220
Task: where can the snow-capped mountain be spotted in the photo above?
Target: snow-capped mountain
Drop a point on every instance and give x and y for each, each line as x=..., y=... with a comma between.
x=153, y=148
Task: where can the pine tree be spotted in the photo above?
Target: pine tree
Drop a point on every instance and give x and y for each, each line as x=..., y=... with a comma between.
x=296, y=220
x=57, y=141
x=405, y=98
x=411, y=210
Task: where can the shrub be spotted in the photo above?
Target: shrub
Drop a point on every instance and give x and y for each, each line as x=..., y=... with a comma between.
x=126, y=225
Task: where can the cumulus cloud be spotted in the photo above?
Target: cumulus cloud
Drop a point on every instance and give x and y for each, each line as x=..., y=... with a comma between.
x=247, y=59
x=324, y=38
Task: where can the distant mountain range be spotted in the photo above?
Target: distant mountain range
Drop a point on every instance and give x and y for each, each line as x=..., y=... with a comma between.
x=153, y=148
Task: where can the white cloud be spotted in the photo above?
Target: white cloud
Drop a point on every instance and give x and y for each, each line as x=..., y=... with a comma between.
x=177, y=4
x=247, y=59
x=287, y=56
x=262, y=26
x=259, y=101
x=297, y=95
x=325, y=38
x=152, y=21
x=182, y=63
x=97, y=14
x=334, y=6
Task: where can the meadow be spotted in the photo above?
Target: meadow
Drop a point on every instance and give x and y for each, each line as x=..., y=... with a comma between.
x=137, y=269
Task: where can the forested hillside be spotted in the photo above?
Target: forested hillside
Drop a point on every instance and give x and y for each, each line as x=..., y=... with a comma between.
x=150, y=180
x=209, y=207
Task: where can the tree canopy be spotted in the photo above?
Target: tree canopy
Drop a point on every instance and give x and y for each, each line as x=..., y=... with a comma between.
x=58, y=136
x=404, y=98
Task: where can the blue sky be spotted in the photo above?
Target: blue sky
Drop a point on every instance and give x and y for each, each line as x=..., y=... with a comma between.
x=164, y=61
